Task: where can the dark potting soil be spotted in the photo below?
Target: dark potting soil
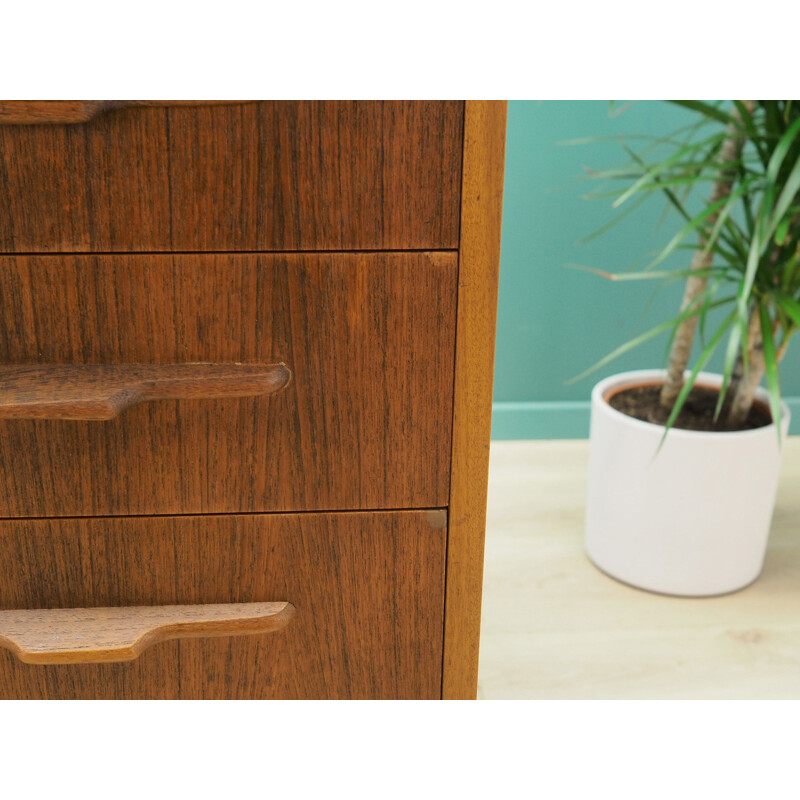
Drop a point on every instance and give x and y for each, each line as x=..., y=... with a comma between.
x=697, y=413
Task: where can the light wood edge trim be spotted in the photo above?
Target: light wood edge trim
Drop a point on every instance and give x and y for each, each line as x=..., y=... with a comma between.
x=478, y=273
x=76, y=112
x=229, y=619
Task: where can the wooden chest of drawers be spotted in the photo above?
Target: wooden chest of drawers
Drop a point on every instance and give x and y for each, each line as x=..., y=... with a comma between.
x=246, y=359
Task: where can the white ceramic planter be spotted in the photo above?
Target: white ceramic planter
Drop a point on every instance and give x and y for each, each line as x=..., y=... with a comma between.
x=692, y=520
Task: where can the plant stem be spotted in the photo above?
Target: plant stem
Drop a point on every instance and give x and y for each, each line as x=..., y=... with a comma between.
x=684, y=336
x=736, y=392
x=736, y=378
x=745, y=389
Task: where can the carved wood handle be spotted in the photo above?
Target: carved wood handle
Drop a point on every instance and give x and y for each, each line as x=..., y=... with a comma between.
x=103, y=391
x=102, y=635
x=72, y=112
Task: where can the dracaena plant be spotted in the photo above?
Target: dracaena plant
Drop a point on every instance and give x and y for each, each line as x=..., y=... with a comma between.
x=737, y=167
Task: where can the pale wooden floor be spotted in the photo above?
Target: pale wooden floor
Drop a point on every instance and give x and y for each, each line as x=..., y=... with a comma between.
x=555, y=627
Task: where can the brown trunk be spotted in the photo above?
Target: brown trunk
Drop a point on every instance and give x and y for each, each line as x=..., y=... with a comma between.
x=736, y=377
x=735, y=390
x=745, y=390
x=684, y=336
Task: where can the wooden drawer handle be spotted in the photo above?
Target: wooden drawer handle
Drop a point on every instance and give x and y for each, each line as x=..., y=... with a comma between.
x=101, y=635
x=71, y=112
x=103, y=391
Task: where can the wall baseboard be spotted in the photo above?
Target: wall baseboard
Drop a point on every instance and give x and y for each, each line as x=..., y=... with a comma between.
x=567, y=420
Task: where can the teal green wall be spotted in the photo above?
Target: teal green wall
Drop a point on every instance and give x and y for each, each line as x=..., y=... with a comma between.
x=554, y=321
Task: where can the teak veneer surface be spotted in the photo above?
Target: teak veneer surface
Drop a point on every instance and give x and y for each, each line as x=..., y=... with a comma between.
x=174, y=208
x=368, y=590
x=74, y=112
x=364, y=422
x=260, y=176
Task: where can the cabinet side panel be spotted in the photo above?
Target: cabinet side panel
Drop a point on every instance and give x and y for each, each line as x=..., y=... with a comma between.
x=479, y=260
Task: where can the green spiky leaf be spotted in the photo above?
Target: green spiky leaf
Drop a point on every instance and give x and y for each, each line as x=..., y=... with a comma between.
x=771, y=368
x=688, y=385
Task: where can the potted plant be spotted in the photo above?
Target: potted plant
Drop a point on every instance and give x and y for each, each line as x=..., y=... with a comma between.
x=684, y=464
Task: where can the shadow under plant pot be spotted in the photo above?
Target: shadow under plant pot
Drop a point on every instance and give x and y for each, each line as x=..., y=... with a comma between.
x=692, y=519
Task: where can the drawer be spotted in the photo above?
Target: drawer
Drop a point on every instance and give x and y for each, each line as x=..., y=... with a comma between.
x=243, y=176
x=368, y=593
x=364, y=423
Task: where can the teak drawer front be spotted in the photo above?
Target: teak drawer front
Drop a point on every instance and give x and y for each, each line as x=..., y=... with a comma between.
x=368, y=590
x=273, y=175
x=364, y=423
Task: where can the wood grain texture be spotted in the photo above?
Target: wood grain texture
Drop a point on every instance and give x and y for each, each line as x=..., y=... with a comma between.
x=72, y=112
x=104, y=391
x=368, y=591
x=556, y=628
x=364, y=423
x=122, y=633
x=265, y=176
x=478, y=272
